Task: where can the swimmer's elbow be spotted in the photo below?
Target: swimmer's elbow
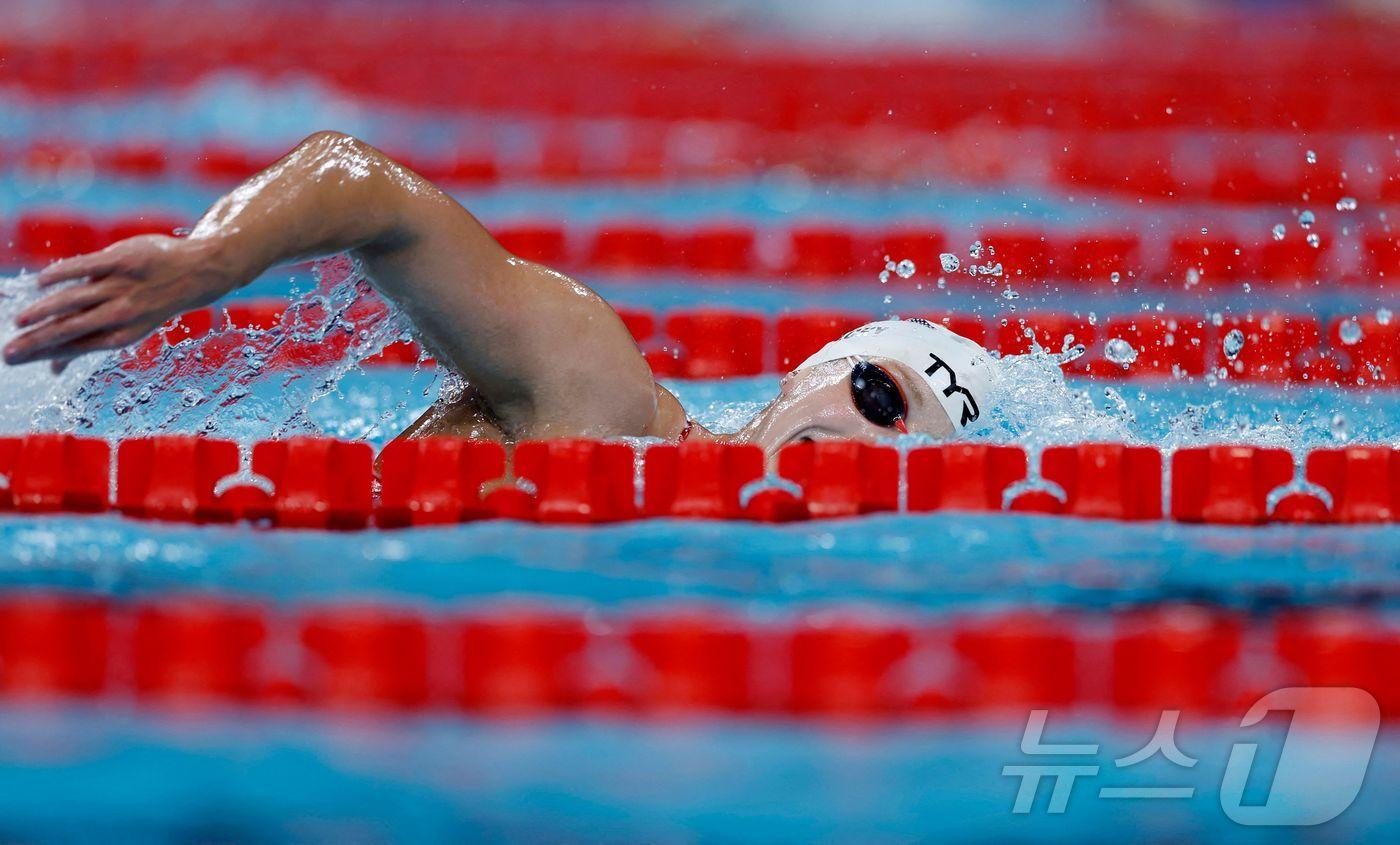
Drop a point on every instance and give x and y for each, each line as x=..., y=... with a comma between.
x=330, y=139
x=362, y=179
x=343, y=157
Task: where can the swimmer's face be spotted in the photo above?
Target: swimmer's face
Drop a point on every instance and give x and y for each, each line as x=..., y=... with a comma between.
x=815, y=403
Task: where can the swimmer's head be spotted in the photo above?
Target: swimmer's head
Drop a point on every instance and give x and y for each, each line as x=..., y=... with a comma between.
x=881, y=380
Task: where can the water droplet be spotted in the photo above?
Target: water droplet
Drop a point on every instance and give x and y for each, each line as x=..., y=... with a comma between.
x=1341, y=427
x=1280, y=231
x=1217, y=319
x=975, y=250
x=1069, y=353
x=1312, y=157
x=1383, y=316
x=1314, y=240
x=191, y=396
x=1306, y=219
x=1008, y=293
x=1193, y=277
x=1234, y=342
x=904, y=269
x=1119, y=351
x=950, y=262
x=1350, y=332
x=1114, y=277
x=1346, y=204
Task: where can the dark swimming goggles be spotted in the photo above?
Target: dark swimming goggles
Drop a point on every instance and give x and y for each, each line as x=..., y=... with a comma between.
x=878, y=397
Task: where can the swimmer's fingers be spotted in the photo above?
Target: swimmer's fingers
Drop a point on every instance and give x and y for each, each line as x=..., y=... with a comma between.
x=111, y=322
x=68, y=301
x=94, y=265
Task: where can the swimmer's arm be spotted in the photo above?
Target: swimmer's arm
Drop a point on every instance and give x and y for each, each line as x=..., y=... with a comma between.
x=547, y=355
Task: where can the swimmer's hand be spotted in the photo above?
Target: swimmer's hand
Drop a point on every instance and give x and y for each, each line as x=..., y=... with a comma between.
x=129, y=289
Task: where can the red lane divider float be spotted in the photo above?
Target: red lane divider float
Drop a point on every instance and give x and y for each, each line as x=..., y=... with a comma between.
x=365, y=656
x=173, y=478
x=307, y=482
x=842, y=662
x=1227, y=484
x=1364, y=257
x=1179, y=657
x=47, y=473
x=190, y=650
x=1105, y=481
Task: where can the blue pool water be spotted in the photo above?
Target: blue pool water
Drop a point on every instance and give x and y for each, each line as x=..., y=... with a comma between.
x=448, y=779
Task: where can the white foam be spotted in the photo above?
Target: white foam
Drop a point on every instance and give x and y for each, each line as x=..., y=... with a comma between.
x=32, y=398
x=237, y=394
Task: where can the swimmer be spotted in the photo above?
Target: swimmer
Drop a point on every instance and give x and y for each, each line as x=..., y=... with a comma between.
x=542, y=355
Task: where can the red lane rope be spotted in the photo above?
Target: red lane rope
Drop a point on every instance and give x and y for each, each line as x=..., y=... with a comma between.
x=329, y=484
x=1365, y=257
x=1141, y=166
x=838, y=663
x=1277, y=348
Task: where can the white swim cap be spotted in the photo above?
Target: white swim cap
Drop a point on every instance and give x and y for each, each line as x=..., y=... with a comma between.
x=957, y=369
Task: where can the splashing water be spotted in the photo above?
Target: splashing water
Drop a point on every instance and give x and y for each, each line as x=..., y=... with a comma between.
x=1350, y=332
x=1233, y=343
x=950, y=262
x=1037, y=407
x=1120, y=352
x=31, y=397
x=238, y=382
x=903, y=269
x=1341, y=428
